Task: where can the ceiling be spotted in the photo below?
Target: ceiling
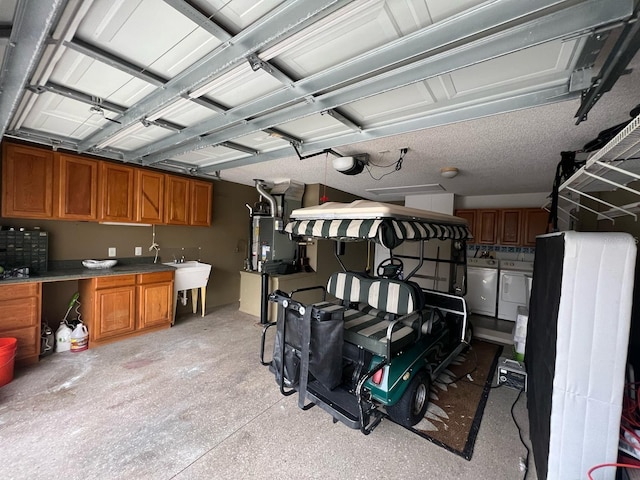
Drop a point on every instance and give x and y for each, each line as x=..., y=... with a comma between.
x=231, y=88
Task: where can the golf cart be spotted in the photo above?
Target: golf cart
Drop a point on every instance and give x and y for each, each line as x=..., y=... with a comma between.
x=376, y=345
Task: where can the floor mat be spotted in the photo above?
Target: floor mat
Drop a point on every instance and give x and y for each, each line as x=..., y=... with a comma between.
x=457, y=400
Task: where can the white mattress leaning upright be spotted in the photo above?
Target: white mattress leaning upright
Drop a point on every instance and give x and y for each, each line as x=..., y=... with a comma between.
x=591, y=350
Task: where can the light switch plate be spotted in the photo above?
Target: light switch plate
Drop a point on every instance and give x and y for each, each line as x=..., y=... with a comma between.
x=138, y=251
x=112, y=251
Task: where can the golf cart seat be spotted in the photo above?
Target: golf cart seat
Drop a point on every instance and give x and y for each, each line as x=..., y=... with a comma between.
x=381, y=315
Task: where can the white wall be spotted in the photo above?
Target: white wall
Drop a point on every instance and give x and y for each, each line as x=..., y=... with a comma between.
x=517, y=200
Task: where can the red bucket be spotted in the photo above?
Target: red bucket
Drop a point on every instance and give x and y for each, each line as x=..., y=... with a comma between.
x=8, y=348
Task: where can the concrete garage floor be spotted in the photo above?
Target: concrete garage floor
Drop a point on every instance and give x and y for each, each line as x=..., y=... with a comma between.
x=193, y=402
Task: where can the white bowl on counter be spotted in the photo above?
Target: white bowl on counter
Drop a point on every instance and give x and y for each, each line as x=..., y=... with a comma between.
x=99, y=264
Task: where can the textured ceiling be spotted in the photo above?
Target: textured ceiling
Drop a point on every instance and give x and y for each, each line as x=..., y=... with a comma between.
x=228, y=88
x=515, y=152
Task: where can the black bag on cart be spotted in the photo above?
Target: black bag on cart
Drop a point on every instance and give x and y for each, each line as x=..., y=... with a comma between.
x=289, y=325
x=326, y=332
x=311, y=341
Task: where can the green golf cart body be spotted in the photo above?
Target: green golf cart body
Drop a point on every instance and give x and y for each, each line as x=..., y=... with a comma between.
x=374, y=348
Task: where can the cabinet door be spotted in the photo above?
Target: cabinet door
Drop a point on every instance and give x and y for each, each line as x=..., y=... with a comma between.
x=155, y=305
x=535, y=222
x=19, y=313
x=201, y=203
x=115, y=312
x=76, y=187
x=510, y=226
x=28, y=348
x=20, y=318
x=177, y=201
x=487, y=227
x=150, y=196
x=27, y=182
x=469, y=216
x=116, y=193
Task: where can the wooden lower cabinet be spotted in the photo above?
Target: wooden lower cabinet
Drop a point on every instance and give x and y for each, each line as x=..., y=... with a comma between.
x=20, y=318
x=116, y=312
x=121, y=306
x=155, y=300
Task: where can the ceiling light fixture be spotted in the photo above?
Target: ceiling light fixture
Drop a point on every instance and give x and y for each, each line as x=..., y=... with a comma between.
x=449, y=172
x=408, y=190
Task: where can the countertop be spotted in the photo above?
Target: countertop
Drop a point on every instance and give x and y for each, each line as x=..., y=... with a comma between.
x=61, y=273
x=290, y=276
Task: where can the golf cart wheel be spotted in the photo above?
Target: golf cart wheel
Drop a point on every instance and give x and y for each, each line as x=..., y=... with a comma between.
x=412, y=406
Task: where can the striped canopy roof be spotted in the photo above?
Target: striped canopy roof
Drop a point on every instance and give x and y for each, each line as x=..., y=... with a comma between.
x=389, y=232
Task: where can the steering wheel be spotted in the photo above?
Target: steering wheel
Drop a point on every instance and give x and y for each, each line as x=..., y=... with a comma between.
x=390, y=267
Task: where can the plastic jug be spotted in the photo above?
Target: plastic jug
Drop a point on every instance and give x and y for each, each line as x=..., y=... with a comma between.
x=79, y=338
x=63, y=338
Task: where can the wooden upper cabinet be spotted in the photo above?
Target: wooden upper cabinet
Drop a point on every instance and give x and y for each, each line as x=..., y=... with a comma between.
x=201, y=200
x=75, y=187
x=40, y=183
x=535, y=223
x=177, y=200
x=116, y=193
x=487, y=227
x=150, y=196
x=27, y=182
x=470, y=217
x=510, y=226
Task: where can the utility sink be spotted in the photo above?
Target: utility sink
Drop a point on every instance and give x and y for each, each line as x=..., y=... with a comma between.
x=191, y=275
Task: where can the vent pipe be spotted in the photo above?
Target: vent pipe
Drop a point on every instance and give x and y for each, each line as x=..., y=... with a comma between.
x=272, y=202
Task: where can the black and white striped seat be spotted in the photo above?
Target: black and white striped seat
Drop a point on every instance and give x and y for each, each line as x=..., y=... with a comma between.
x=391, y=296
x=387, y=299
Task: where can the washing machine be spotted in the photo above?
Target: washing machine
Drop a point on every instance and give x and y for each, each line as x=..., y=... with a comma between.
x=514, y=289
x=482, y=286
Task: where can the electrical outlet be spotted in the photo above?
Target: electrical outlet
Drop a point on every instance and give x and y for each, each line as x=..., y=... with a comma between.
x=138, y=251
x=112, y=251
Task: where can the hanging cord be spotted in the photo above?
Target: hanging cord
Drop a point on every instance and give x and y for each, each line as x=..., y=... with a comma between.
x=324, y=198
x=154, y=245
x=397, y=165
x=79, y=315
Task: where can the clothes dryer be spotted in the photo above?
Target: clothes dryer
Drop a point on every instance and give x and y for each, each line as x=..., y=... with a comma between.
x=482, y=286
x=515, y=288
